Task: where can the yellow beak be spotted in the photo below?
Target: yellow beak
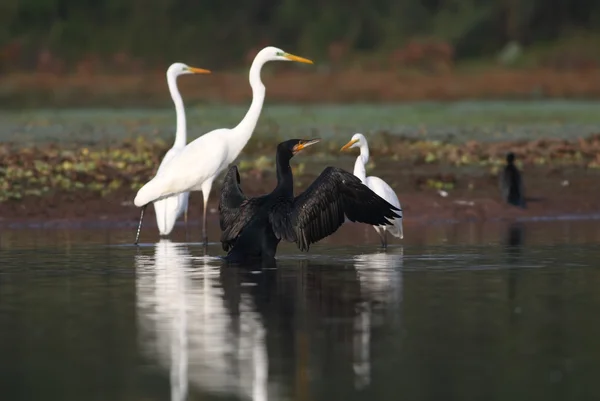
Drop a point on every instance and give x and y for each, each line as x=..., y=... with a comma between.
x=198, y=70
x=304, y=145
x=347, y=146
x=297, y=58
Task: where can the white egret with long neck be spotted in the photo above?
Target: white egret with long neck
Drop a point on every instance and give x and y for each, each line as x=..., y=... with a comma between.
x=169, y=209
x=200, y=162
x=377, y=185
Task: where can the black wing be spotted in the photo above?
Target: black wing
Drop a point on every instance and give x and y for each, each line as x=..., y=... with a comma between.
x=320, y=210
x=235, y=208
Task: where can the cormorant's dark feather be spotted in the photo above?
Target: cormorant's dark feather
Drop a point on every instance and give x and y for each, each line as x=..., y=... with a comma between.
x=231, y=198
x=235, y=209
x=253, y=227
x=511, y=186
x=320, y=210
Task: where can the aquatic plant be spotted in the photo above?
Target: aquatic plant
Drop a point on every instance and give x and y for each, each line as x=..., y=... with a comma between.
x=44, y=170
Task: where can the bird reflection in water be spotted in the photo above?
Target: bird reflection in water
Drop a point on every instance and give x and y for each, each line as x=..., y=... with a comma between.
x=185, y=323
x=380, y=278
x=207, y=321
x=513, y=247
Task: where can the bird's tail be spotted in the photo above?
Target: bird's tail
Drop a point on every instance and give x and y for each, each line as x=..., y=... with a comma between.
x=167, y=212
x=396, y=229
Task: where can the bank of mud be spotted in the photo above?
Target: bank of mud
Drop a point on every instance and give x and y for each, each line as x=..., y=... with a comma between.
x=428, y=194
x=435, y=181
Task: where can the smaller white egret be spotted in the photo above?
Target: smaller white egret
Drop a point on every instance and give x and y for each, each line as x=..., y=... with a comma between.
x=169, y=209
x=202, y=160
x=377, y=185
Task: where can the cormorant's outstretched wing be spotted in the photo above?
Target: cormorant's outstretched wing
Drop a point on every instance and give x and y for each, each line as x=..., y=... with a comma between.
x=231, y=198
x=320, y=210
x=235, y=208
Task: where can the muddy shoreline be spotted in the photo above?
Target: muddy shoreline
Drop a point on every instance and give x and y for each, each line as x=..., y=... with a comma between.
x=568, y=193
x=435, y=181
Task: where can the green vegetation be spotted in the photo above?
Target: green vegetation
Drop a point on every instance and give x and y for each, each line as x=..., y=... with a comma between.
x=39, y=171
x=456, y=122
x=156, y=31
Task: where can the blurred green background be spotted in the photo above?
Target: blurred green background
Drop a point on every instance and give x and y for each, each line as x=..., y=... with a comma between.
x=154, y=32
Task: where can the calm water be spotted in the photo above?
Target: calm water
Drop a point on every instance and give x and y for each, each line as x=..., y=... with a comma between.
x=458, y=121
x=456, y=312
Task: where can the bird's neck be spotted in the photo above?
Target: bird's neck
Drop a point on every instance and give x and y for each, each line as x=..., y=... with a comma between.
x=360, y=170
x=285, y=178
x=181, y=132
x=243, y=131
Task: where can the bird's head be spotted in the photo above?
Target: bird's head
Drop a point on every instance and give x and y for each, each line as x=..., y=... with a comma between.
x=177, y=69
x=293, y=146
x=510, y=158
x=271, y=53
x=356, y=141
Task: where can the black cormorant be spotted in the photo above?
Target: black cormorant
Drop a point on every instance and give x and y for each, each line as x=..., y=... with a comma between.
x=511, y=183
x=252, y=227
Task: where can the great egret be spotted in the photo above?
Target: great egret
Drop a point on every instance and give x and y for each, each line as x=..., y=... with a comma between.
x=378, y=186
x=253, y=227
x=511, y=183
x=169, y=209
x=198, y=164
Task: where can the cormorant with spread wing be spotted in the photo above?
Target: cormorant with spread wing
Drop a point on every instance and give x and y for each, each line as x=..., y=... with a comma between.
x=253, y=227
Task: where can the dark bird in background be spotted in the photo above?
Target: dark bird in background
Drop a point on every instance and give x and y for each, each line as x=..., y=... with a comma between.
x=511, y=183
x=253, y=227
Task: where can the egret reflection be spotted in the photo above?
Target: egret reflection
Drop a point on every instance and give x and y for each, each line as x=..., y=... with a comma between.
x=190, y=326
x=380, y=278
x=380, y=275
x=162, y=306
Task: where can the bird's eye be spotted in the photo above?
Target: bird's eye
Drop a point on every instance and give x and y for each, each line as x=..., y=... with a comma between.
x=280, y=54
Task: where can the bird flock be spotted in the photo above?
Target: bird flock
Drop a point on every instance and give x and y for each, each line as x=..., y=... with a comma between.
x=253, y=227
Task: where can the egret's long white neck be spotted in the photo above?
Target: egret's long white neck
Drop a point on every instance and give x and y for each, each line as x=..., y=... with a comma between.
x=243, y=131
x=181, y=132
x=361, y=161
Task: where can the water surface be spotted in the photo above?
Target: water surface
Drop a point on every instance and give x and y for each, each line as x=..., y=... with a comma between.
x=466, y=312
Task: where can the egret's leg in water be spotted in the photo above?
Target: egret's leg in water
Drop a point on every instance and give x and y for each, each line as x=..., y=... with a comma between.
x=185, y=219
x=384, y=229
x=381, y=233
x=137, y=236
x=206, y=186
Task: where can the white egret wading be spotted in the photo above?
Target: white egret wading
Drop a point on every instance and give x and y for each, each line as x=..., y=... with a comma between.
x=200, y=162
x=169, y=209
x=377, y=185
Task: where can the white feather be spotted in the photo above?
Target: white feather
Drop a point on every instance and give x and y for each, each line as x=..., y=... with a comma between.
x=196, y=165
x=376, y=184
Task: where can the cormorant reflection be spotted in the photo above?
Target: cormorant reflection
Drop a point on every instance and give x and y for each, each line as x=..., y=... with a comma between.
x=209, y=322
x=513, y=248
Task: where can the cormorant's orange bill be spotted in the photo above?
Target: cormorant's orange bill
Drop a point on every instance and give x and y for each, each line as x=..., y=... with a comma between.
x=198, y=70
x=297, y=58
x=304, y=144
x=347, y=146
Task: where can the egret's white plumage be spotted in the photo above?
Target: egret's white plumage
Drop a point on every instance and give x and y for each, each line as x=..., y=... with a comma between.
x=200, y=162
x=377, y=185
x=169, y=209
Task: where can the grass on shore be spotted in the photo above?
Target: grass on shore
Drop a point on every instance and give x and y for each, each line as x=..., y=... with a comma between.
x=39, y=171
